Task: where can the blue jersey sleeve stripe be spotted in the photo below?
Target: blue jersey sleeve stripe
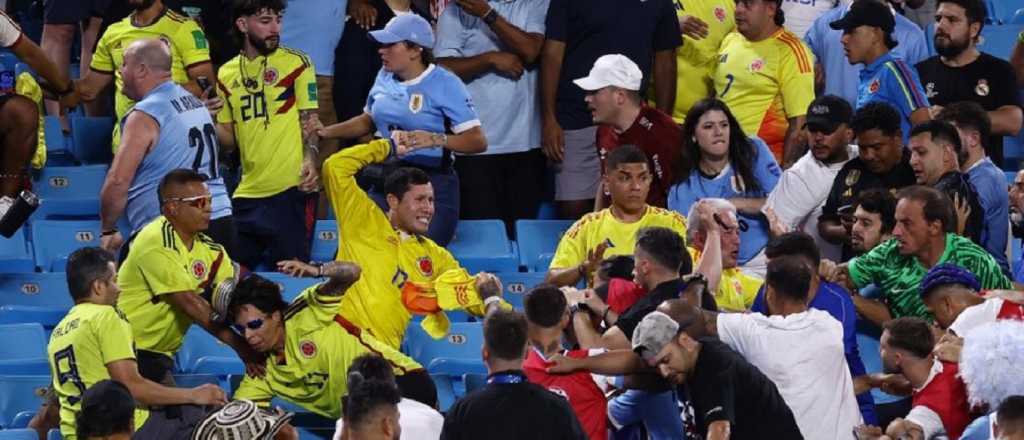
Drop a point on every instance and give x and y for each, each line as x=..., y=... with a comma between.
x=915, y=99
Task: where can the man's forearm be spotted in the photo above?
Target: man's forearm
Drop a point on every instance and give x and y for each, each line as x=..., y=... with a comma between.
x=564, y=277
x=226, y=136
x=353, y=128
x=1006, y=120
x=833, y=232
x=550, y=69
x=873, y=310
x=525, y=45
x=665, y=80
x=113, y=198
x=614, y=362
x=32, y=55
x=586, y=335
x=468, y=68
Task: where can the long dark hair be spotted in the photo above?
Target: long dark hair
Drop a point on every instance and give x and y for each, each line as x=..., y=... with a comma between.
x=742, y=152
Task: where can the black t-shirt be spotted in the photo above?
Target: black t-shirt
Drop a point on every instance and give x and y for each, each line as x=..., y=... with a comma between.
x=592, y=28
x=512, y=411
x=647, y=304
x=989, y=81
x=855, y=177
x=957, y=183
x=724, y=386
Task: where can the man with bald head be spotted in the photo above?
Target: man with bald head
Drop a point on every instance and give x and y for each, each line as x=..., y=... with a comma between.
x=168, y=128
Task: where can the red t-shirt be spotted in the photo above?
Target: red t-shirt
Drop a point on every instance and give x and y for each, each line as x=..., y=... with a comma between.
x=946, y=394
x=622, y=294
x=585, y=398
x=659, y=137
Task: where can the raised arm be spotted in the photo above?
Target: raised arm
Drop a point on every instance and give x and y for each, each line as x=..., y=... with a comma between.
x=200, y=312
x=614, y=362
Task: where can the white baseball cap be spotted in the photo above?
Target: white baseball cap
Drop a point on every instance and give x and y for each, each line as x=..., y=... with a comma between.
x=612, y=70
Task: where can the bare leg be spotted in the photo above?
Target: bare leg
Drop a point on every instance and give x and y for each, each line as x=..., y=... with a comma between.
x=19, y=124
x=56, y=42
x=90, y=34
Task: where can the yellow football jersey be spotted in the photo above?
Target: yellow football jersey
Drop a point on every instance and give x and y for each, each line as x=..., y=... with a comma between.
x=188, y=48
x=695, y=59
x=765, y=83
x=736, y=290
x=602, y=227
x=262, y=98
x=159, y=263
x=388, y=257
x=81, y=345
x=319, y=347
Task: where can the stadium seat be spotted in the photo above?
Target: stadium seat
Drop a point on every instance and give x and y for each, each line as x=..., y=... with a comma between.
x=21, y=420
x=998, y=40
x=547, y=211
x=325, y=241
x=54, y=434
x=1010, y=176
x=49, y=290
x=90, y=139
x=201, y=353
x=291, y=287
x=537, y=241
x=455, y=354
x=516, y=285
x=48, y=317
x=54, y=240
x=19, y=434
x=70, y=192
x=19, y=394
x=15, y=254
x=445, y=391
x=58, y=145
x=1003, y=11
x=24, y=351
x=194, y=380
x=483, y=245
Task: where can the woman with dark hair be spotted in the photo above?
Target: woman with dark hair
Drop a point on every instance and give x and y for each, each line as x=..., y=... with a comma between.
x=423, y=108
x=720, y=161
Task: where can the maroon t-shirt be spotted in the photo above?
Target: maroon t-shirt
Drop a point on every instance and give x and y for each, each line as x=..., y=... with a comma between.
x=659, y=137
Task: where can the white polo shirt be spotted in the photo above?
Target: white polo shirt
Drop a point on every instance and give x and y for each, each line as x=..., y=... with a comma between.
x=9, y=31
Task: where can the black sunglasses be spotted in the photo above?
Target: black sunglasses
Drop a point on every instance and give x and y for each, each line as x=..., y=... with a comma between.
x=255, y=324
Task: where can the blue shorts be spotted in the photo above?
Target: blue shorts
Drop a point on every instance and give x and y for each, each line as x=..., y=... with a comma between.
x=272, y=229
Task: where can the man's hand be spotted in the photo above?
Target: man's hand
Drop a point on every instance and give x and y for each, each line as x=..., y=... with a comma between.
x=71, y=99
x=208, y=394
x=487, y=285
x=476, y=8
x=775, y=226
x=693, y=27
x=506, y=64
x=310, y=175
x=832, y=272
x=948, y=348
x=408, y=141
x=112, y=242
x=963, y=211
x=363, y=13
x=903, y=429
x=895, y=384
x=314, y=125
x=867, y=432
x=594, y=257
x=297, y=269
x=553, y=140
x=214, y=104
x=573, y=295
x=934, y=111
x=559, y=364
x=594, y=302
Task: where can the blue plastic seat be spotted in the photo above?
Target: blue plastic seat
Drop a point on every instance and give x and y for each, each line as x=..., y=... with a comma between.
x=325, y=241
x=15, y=254
x=70, y=192
x=19, y=394
x=24, y=349
x=54, y=434
x=58, y=144
x=291, y=287
x=483, y=245
x=517, y=284
x=455, y=354
x=90, y=139
x=538, y=240
x=46, y=290
x=54, y=240
x=19, y=434
x=201, y=353
x=48, y=317
x=445, y=391
x=1003, y=11
x=998, y=40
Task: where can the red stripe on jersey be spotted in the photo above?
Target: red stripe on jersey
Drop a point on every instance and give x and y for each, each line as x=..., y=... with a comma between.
x=224, y=89
x=1011, y=310
x=354, y=330
x=801, y=56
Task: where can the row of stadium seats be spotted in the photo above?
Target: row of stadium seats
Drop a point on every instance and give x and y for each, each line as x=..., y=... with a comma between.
x=1004, y=12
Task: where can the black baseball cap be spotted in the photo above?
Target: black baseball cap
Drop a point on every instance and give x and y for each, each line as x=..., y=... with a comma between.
x=828, y=112
x=866, y=13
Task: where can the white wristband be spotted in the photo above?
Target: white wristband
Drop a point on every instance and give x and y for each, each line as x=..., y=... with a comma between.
x=491, y=300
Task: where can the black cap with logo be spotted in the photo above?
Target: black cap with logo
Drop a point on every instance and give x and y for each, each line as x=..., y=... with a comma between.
x=827, y=112
x=866, y=13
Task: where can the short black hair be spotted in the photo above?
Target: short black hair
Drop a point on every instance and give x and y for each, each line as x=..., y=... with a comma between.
x=367, y=396
x=545, y=305
x=505, y=334
x=1010, y=415
x=663, y=245
x=243, y=8
x=879, y=201
x=179, y=176
x=789, y=277
x=258, y=292
x=618, y=266
x=975, y=11
x=107, y=408
x=797, y=243
x=625, y=154
x=86, y=266
x=401, y=179
x=876, y=115
x=912, y=334
x=937, y=205
x=941, y=132
x=373, y=367
x=968, y=115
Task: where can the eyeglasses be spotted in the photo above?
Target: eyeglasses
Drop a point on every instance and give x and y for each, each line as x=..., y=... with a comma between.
x=255, y=324
x=199, y=202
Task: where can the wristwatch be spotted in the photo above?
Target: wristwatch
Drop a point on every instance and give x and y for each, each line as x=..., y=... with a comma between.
x=490, y=17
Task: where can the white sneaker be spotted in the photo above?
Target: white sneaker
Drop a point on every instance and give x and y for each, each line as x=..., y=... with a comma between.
x=5, y=205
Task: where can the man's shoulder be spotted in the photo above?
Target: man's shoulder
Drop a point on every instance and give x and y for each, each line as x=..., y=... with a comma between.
x=157, y=234
x=929, y=65
x=656, y=118
x=659, y=215
x=290, y=56
x=590, y=220
x=990, y=62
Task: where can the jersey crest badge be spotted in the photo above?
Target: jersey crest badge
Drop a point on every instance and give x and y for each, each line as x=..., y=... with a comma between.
x=270, y=76
x=720, y=14
x=426, y=266
x=982, y=88
x=198, y=269
x=416, y=102
x=875, y=85
x=307, y=348
x=757, y=65
x=852, y=177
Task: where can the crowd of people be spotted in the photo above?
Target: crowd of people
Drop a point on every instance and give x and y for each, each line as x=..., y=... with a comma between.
x=753, y=183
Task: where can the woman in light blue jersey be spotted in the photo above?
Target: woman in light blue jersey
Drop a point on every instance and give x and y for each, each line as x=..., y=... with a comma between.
x=424, y=108
x=720, y=161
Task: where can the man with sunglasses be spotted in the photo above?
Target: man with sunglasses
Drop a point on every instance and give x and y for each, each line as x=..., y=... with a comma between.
x=801, y=192
x=168, y=268
x=152, y=137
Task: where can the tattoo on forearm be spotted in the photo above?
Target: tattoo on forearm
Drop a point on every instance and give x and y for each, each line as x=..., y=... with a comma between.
x=309, y=138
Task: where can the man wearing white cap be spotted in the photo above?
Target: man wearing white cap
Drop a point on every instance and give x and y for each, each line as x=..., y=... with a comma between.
x=613, y=97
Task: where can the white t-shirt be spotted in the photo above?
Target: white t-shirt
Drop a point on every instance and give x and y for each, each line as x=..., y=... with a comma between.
x=976, y=316
x=800, y=15
x=9, y=31
x=803, y=355
x=418, y=421
x=801, y=192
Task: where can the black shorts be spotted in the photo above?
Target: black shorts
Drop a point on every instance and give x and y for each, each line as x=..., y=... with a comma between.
x=73, y=11
x=163, y=424
x=275, y=228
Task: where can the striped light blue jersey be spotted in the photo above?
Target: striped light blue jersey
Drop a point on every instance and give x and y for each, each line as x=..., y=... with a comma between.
x=891, y=80
x=187, y=140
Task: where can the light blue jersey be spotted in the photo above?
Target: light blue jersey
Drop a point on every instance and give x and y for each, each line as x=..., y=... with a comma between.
x=726, y=186
x=187, y=140
x=436, y=101
x=891, y=80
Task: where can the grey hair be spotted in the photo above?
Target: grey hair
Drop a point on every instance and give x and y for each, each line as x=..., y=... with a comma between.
x=693, y=226
x=152, y=52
